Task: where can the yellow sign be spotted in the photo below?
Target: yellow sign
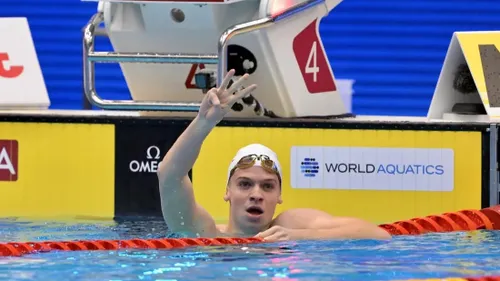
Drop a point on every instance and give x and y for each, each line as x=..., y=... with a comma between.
x=379, y=206
x=481, y=51
x=62, y=170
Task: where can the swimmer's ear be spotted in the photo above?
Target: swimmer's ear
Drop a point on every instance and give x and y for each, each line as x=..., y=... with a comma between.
x=226, y=196
x=280, y=200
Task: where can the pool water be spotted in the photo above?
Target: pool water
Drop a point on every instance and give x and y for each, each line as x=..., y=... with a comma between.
x=457, y=254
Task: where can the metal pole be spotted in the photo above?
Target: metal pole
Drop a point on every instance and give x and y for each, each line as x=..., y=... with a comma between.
x=97, y=32
x=89, y=80
x=152, y=58
x=494, y=184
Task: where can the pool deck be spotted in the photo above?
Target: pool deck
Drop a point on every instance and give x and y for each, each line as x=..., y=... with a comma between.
x=98, y=116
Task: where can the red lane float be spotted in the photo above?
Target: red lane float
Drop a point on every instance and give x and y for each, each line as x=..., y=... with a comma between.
x=483, y=278
x=464, y=220
x=18, y=249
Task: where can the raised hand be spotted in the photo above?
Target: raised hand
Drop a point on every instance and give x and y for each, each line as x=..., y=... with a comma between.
x=218, y=101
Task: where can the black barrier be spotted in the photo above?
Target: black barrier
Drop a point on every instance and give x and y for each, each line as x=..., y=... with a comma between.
x=139, y=151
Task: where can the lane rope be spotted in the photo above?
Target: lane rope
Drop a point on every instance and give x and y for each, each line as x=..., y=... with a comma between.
x=464, y=220
x=18, y=249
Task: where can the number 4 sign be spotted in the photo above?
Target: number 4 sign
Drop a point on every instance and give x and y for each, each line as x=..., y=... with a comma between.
x=312, y=60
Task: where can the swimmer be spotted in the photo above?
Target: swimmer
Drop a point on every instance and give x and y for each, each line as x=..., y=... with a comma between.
x=253, y=187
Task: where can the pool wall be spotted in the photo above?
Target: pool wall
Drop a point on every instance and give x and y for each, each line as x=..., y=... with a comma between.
x=100, y=165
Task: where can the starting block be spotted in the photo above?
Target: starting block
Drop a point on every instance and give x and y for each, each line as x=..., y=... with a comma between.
x=468, y=88
x=171, y=52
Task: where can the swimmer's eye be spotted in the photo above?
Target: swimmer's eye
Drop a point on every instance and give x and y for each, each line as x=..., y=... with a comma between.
x=245, y=184
x=268, y=186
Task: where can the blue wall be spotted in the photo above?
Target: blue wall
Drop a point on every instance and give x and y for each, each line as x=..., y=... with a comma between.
x=392, y=48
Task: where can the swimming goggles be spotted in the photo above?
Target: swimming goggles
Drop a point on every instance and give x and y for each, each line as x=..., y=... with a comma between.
x=265, y=162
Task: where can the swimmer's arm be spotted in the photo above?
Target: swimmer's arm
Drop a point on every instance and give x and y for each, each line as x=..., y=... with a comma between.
x=355, y=229
x=183, y=154
x=315, y=224
x=179, y=208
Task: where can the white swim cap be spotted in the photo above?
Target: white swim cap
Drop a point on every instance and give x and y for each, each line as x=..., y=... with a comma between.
x=257, y=149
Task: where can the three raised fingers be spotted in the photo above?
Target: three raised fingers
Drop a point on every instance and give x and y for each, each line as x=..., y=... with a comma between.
x=227, y=94
x=225, y=82
x=236, y=85
x=239, y=95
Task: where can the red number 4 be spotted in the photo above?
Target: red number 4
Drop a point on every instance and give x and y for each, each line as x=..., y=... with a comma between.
x=312, y=60
x=9, y=72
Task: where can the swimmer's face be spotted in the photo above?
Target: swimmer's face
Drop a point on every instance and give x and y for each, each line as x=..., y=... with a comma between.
x=253, y=194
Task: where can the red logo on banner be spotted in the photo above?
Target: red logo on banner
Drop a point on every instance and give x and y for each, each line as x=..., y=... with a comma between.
x=9, y=151
x=189, y=80
x=312, y=60
x=7, y=70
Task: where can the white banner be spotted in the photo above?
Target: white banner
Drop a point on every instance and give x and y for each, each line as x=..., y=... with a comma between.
x=22, y=85
x=371, y=168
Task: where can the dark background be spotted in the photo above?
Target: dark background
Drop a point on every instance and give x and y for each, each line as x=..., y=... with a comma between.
x=137, y=193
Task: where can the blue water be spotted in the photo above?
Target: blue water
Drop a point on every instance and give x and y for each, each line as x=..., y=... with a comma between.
x=427, y=256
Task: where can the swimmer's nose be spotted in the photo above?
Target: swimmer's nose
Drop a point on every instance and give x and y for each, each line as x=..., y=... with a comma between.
x=256, y=197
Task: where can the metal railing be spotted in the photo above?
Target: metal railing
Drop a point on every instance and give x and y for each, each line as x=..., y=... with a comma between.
x=90, y=57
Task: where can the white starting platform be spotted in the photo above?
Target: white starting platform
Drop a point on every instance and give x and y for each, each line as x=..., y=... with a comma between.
x=172, y=51
x=468, y=87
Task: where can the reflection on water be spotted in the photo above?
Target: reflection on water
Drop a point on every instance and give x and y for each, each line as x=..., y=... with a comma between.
x=427, y=256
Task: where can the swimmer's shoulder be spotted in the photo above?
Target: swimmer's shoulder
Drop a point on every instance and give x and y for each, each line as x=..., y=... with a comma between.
x=299, y=217
x=221, y=227
x=222, y=230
